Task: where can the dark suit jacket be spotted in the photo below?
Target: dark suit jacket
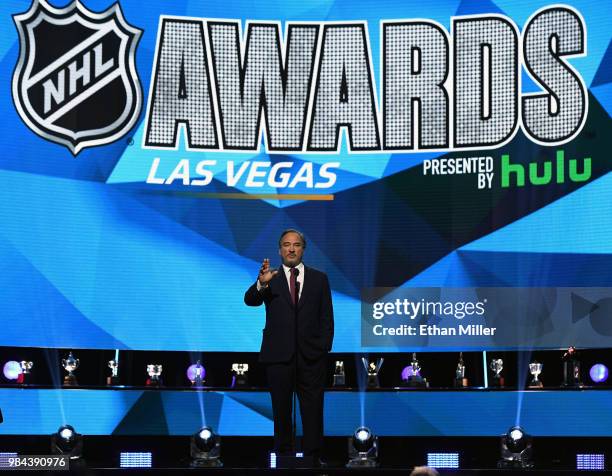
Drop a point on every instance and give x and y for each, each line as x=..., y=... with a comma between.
x=315, y=317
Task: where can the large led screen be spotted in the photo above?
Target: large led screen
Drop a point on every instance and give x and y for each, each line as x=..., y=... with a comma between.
x=153, y=152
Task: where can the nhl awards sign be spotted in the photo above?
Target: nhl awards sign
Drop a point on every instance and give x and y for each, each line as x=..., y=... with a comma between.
x=215, y=87
x=75, y=82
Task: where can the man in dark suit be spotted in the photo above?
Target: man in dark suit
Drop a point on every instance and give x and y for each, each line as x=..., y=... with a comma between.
x=295, y=291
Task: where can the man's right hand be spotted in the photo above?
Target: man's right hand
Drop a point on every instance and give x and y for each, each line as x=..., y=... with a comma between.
x=265, y=274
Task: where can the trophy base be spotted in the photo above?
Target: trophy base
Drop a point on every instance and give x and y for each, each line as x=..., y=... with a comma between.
x=497, y=382
x=70, y=381
x=23, y=379
x=153, y=382
x=373, y=381
x=112, y=381
x=537, y=384
x=240, y=382
x=416, y=382
x=461, y=383
x=339, y=381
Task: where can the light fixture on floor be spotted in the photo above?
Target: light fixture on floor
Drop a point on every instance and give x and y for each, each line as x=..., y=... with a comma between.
x=67, y=442
x=516, y=450
x=363, y=449
x=205, y=449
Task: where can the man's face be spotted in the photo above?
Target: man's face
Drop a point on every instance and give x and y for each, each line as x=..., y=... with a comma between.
x=291, y=249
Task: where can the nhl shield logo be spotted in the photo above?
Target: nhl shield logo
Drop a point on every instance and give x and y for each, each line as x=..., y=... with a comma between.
x=75, y=82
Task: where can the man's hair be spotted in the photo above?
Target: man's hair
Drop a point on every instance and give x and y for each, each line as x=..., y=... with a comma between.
x=292, y=230
x=424, y=471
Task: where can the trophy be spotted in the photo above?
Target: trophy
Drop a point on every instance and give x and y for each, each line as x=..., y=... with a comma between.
x=198, y=379
x=497, y=366
x=239, y=375
x=154, y=371
x=460, y=379
x=339, y=375
x=113, y=379
x=195, y=374
x=372, y=368
x=571, y=368
x=70, y=364
x=535, y=368
x=411, y=375
x=24, y=377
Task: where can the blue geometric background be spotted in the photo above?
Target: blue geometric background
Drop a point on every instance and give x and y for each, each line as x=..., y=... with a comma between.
x=414, y=413
x=95, y=258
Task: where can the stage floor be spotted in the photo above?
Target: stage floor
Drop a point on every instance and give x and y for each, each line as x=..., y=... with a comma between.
x=313, y=472
x=251, y=455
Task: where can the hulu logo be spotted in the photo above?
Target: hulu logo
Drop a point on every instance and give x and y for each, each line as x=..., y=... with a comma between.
x=538, y=177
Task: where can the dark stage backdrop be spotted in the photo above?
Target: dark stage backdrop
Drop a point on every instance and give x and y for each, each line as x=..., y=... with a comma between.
x=152, y=152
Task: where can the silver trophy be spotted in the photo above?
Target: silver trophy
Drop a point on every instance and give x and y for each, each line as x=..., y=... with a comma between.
x=339, y=375
x=535, y=368
x=26, y=367
x=460, y=379
x=373, y=368
x=240, y=375
x=113, y=379
x=70, y=364
x=154, y=371
x=496, y=366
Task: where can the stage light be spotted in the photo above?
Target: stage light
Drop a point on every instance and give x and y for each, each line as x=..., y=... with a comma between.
x=599, y=373
x=135, y=460
x=516, y=438
x=443, y=460
x=12, y=370
x=363, y=449
x=206, y=437
x=590, y=462
x=67, y=442
x=362, y=439
x=516, y=451
x=205, y=449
